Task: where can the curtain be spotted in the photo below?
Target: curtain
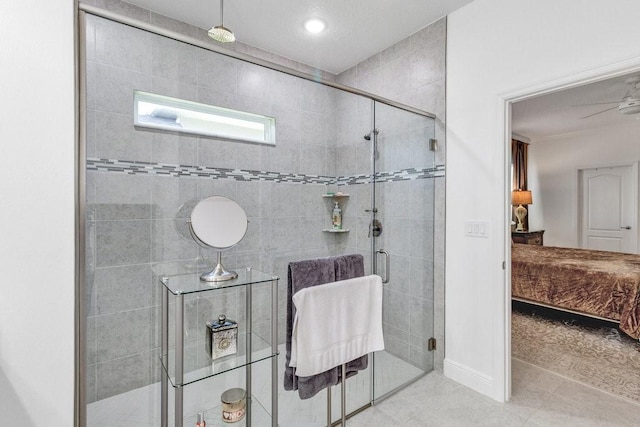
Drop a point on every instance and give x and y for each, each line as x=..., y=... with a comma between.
x=519, y=179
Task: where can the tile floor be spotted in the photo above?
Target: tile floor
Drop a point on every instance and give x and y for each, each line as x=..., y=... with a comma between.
x=539, y=398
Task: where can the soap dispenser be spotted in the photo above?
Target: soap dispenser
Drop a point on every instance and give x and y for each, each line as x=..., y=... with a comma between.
x=336, y=217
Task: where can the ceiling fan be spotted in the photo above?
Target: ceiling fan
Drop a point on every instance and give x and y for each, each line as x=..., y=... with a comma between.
x=630, y=103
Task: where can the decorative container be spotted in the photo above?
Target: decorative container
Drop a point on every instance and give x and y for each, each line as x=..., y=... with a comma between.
x=234, y=402
x=222, y=337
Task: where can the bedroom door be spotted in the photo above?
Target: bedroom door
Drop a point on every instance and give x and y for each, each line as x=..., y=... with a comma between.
x=609, y=208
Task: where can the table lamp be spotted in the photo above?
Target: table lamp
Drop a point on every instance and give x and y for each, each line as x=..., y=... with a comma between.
x=519, y=198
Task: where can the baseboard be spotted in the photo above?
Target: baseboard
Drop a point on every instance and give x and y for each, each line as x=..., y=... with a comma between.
x=469, y=377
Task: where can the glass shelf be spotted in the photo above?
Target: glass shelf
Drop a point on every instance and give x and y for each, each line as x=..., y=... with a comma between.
x=331, y=230
x=213, y=416
x=190, y=283
x=217, y=366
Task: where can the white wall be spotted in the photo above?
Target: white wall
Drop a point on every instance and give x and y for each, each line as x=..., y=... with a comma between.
x=37, y=213
x=499, y=48
x=553, y=168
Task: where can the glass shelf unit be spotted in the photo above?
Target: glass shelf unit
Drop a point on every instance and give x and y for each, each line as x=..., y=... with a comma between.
x=186, y=362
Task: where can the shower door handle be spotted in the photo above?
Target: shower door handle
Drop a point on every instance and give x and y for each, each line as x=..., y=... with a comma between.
x=386, y=266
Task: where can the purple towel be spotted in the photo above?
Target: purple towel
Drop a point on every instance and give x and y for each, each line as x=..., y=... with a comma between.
x=349, y=266
x=303, y=274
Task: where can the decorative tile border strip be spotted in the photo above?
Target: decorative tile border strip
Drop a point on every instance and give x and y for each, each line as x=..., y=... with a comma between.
x=401, y=175
x=148, y=168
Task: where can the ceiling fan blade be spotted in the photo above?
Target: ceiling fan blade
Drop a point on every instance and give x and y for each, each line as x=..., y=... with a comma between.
x=599, y=112
x=597, y=103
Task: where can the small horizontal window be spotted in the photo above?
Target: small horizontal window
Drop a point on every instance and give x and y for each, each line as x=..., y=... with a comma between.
x=178, y=115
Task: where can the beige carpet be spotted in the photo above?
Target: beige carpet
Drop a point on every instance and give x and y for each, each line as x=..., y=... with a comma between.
x=586, y=350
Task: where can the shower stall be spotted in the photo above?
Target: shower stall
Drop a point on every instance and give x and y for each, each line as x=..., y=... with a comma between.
x=333, y=144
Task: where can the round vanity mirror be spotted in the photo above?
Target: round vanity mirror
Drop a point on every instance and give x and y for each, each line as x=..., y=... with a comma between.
x=220, y=223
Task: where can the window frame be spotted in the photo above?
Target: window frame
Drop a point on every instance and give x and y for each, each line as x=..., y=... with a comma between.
x=268, y=123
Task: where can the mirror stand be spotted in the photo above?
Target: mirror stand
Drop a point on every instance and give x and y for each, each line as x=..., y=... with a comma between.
x=219, y=274
x=218, y=222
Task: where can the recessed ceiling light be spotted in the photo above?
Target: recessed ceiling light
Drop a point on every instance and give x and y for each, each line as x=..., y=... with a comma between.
x=314, y=25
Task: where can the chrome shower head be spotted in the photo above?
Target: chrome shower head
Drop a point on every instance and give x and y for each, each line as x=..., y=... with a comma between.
x=220, y=33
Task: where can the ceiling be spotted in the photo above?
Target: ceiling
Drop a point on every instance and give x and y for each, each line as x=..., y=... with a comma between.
x=563, y=112
x=356, y=29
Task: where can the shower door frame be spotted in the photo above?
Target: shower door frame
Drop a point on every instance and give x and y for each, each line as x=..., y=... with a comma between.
x=81, y=10
x=375, y=250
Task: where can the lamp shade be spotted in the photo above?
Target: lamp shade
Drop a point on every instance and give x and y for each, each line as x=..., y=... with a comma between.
x=521, y=197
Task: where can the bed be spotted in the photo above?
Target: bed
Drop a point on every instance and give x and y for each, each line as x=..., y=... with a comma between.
x=599, y=284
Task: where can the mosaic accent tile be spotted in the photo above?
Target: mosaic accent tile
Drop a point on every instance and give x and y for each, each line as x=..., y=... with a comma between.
x=177, y=171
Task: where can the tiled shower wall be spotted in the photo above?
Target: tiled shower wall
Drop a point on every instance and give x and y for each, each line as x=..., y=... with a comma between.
x=136, y=218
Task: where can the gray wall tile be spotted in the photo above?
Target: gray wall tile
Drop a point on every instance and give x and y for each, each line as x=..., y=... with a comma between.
x=174, y=25
x=217, y=72
x=117, y=138
x=122, y=196
x=169, y=243
x=122, y=46
x=113, y=88
x=123, y=242
x=173, y=198
x=122, y=8
x=123, y=288
x=117, y=376
x=123, y=333
x=173, y=60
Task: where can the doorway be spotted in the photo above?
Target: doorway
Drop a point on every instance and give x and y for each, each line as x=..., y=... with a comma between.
x=574, y=201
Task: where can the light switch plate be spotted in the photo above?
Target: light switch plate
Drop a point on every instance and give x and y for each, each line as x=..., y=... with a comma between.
x=476, y=229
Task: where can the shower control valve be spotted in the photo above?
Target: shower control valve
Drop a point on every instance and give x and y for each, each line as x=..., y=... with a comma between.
x=375, y=227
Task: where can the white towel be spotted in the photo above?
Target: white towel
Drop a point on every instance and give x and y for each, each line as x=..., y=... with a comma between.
x=336, y=323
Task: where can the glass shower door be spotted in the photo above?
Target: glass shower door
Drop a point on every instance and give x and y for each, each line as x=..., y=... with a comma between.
x=402, y=231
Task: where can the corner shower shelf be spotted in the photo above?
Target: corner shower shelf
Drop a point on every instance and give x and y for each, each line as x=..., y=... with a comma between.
x=175, y=359
x=335, y=196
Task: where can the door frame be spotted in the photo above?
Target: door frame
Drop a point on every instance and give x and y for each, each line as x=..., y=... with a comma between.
x=502, y=341
x=580, y=190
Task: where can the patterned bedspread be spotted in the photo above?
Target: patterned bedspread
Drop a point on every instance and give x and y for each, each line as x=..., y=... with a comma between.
x=604, y=284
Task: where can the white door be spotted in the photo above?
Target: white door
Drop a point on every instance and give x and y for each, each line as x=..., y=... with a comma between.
x=609, y=206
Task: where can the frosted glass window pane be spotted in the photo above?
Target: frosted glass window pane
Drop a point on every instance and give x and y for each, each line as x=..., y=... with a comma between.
x=178, y=115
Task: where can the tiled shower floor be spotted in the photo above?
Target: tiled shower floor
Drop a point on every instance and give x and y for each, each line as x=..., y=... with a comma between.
x=141, y=407
x=540, y=398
